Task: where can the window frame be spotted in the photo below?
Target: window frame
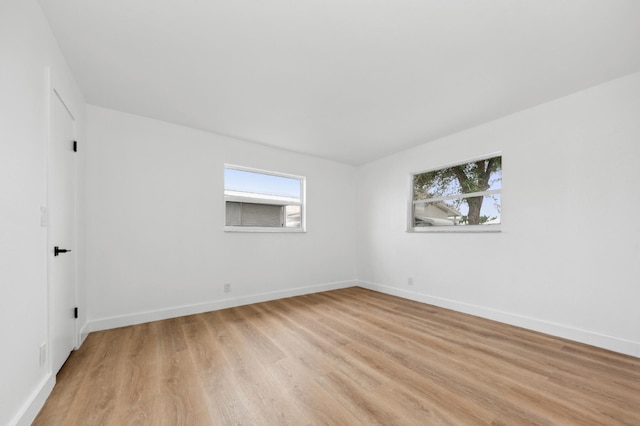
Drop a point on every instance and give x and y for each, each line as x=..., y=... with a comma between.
x=267, y=229
x=492, y=228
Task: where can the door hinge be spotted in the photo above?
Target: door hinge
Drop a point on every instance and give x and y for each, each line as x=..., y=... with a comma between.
x=75, y=146
x=75, y=312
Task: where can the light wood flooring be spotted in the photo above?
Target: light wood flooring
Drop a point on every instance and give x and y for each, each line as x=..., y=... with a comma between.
x=344, y=357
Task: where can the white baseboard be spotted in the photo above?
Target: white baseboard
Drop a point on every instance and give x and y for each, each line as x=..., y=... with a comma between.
x=34, y=403
x=82, y=334
x=578, y=335
x=178, y=311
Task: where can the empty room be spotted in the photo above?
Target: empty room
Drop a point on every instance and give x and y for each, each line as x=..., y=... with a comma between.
x=319, y=212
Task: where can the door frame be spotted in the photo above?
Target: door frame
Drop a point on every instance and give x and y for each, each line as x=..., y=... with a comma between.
x=55, y=91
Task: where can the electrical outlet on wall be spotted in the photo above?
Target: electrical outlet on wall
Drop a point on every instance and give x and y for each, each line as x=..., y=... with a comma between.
x=227, y=287
x=410, y=281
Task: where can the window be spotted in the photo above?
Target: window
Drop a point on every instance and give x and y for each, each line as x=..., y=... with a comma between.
x=258, y=200
x=465, y=196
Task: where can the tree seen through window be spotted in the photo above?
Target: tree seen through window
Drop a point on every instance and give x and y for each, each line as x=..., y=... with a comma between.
x=463, y=194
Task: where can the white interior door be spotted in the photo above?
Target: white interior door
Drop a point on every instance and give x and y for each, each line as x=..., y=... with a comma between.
x=62, y=285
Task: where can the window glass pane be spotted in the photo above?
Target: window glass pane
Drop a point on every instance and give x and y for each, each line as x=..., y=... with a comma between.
x=293, y=216
x=262, y=199
x=233, y=215
x=437, y=213
x=261, y=183
x=476, y=176
x=261, y=215
x=456, y=212
x=438, y=195
x=489, y=207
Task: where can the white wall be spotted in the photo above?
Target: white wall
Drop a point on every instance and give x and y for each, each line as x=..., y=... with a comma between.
x=155, y=208
x=567, y=261
x=26, y=48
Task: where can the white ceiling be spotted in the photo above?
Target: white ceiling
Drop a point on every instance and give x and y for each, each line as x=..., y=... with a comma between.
x=348, y=80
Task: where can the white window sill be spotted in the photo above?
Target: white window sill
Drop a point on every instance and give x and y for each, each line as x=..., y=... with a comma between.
x=456, y=229
x=264, y=229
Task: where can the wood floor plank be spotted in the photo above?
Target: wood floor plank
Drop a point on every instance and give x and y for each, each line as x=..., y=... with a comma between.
x=208, y=343
x=494, y=374
x=344, y=357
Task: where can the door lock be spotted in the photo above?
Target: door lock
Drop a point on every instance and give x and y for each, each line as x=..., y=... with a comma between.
x=57, y=251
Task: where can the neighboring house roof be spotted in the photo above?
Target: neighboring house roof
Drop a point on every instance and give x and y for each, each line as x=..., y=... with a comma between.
x=428, y=216
x=449, y=211
x=252, y=197
x=435, y=221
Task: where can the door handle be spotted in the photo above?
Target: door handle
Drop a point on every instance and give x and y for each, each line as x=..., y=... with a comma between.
x=57, y=250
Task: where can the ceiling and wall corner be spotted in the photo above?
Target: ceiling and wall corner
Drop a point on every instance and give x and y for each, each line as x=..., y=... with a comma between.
x=350, y=81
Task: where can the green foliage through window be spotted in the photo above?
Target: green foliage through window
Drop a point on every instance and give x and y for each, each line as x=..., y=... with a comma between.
x=463, y=194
